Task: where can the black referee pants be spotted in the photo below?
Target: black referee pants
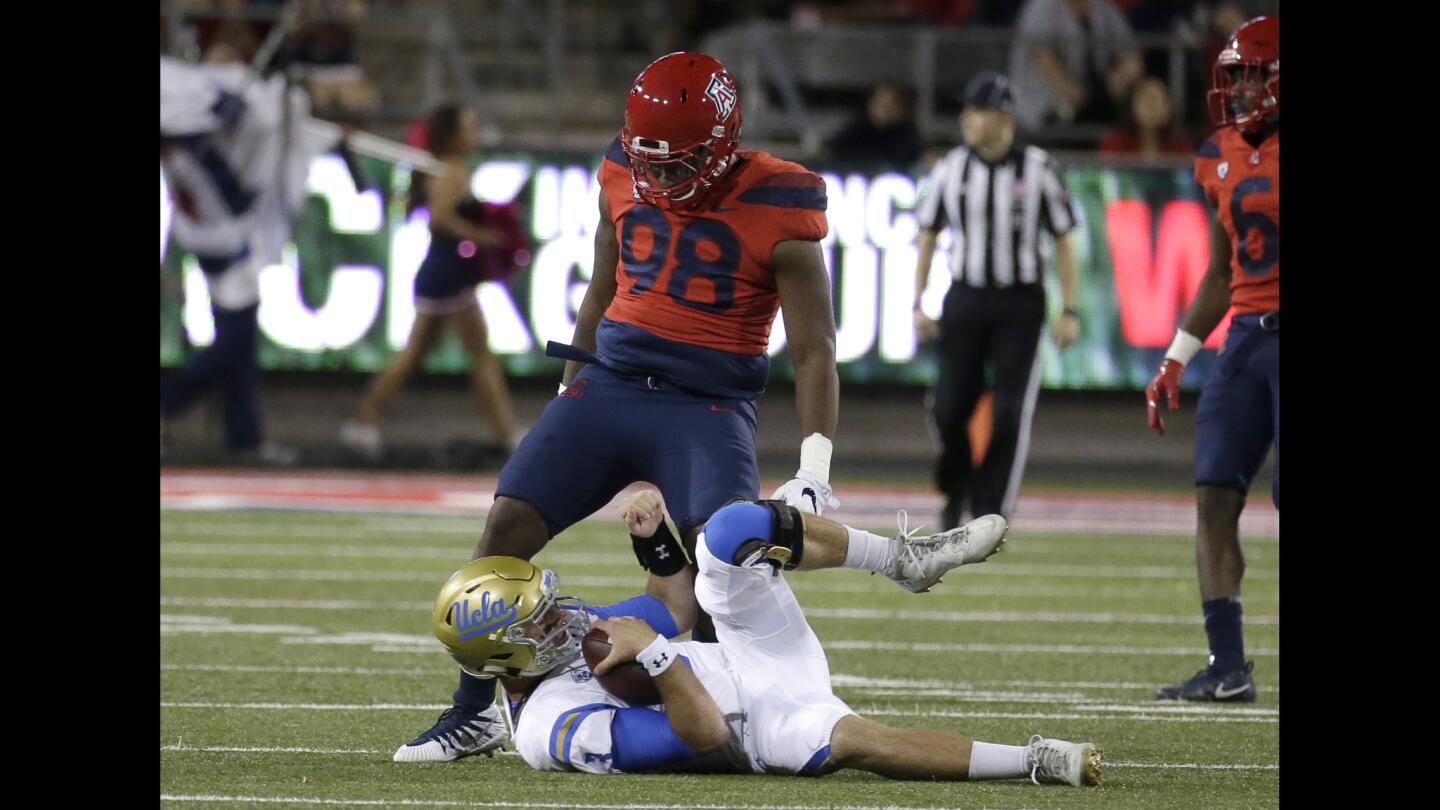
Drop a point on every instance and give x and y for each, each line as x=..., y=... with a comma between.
x=996, y=331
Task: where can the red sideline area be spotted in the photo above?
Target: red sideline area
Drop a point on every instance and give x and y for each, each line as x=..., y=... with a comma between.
x=864, y=505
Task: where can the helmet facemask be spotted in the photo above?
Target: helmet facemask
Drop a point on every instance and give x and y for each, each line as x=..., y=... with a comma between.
x=673, y=179
x=1244, y=94
x=554, y=630
x=503, y=616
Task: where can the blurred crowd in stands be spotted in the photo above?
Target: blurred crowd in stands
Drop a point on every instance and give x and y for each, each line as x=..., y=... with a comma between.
x=1073, y=63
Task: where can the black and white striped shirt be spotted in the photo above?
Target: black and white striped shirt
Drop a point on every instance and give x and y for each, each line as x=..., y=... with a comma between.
x=995, y=213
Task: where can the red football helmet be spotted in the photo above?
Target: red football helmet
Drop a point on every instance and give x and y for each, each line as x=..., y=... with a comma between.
x=682, y=124
x=1246, y=85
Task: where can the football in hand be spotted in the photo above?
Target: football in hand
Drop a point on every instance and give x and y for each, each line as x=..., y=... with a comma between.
x=629, y=681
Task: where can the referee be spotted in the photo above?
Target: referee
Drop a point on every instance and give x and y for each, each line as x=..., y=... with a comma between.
x=996, y=196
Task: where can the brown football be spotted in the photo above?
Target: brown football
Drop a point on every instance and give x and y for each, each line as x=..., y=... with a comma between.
x=629, y=682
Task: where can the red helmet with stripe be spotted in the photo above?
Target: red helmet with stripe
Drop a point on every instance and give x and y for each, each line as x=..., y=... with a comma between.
x=682, y=124
x=1246, y=85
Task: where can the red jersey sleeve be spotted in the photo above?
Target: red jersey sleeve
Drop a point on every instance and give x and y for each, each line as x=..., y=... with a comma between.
x=1207, y=160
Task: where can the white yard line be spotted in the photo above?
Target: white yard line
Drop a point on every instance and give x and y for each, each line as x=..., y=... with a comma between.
x=560, y=559
x=879, y=711
x=876, y=711
x=971, y=617
x=1082, y=649
x=1008, y=616
x=635, y=582
x=306, y=670
x=233, y=749
x=173, y=797
x=901, y=686
x=822, y=613
x=310, y=707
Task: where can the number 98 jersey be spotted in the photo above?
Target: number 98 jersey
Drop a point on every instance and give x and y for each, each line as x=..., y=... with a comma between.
x=695, y=293
x=1243, y=184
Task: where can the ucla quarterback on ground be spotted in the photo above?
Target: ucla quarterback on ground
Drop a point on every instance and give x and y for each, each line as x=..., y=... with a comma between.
x=698, y=246
x=1239, y=412
x=758, y=701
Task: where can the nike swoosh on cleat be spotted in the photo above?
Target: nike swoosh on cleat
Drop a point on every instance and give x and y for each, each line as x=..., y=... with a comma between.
x=1221, y=692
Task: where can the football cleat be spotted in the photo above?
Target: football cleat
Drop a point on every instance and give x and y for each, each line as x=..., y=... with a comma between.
x=460, y=732
x=268, y=454
x=921, y=561
x=362, y=440
x=1235, y=686
x=1056, y=762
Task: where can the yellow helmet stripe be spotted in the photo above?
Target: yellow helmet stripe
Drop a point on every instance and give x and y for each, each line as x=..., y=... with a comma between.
x=564, y=731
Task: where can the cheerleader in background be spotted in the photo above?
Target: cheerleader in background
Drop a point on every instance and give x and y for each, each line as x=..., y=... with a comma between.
x=462, y=254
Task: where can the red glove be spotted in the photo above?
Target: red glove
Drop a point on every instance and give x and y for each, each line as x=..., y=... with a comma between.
x=1166, y=384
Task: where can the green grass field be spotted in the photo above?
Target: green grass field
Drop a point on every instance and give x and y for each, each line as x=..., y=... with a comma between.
x=296, y=655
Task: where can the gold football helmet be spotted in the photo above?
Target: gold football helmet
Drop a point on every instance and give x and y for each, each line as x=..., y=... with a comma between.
x=504, y=616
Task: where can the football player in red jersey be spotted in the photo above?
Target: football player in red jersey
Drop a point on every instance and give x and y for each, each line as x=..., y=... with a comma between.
x=699, y=244
x=1239, y=412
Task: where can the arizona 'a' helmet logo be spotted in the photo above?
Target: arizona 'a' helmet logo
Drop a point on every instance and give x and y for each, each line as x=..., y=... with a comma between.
x=724, y=97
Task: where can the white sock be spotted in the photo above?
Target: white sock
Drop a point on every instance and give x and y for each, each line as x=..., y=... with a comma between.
x=992, y=761
x=869, y=552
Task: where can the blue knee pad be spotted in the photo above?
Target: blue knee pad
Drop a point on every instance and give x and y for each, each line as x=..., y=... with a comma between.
x=734, y=525
x=741, y=528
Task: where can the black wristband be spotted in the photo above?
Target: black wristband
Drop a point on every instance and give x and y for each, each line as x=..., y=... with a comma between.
x=660, y=554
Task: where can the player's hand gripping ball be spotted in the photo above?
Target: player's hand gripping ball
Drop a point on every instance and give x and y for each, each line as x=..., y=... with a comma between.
x=628, y=680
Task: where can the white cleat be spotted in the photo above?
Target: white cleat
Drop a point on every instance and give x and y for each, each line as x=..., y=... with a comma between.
x=363, y=440
x=458, y=733
x=921, y=561
x=1056, y=762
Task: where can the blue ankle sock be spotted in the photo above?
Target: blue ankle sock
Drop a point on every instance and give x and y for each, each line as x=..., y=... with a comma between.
x=478, y=693
x=1223, y=625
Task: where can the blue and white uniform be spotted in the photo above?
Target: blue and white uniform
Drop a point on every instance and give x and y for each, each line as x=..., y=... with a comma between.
x=768, y=675
x=235, y=160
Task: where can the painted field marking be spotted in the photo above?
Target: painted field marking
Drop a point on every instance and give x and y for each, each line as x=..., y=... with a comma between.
x=386, y=521
x=873, y=687
x=561, y=559
x=1268, y=766
x=799, y=585
x=1175, y=707
x=973, y=617
x=173, y=797
x=256, y=668
x=875, y=711
x=838, y=680
x=233, y=749
x=290, y=604
x=309, y=707
x=171, y=624
x=1008, y=616
x=505, y=752
x=1083, y=649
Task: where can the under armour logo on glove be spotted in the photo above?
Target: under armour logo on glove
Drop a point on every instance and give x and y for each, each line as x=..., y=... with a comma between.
x=661, y=659
x=662, y=553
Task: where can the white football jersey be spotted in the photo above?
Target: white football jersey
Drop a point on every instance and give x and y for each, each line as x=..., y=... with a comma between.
x=235, y=159
x=767, y=674
x=565, y=723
